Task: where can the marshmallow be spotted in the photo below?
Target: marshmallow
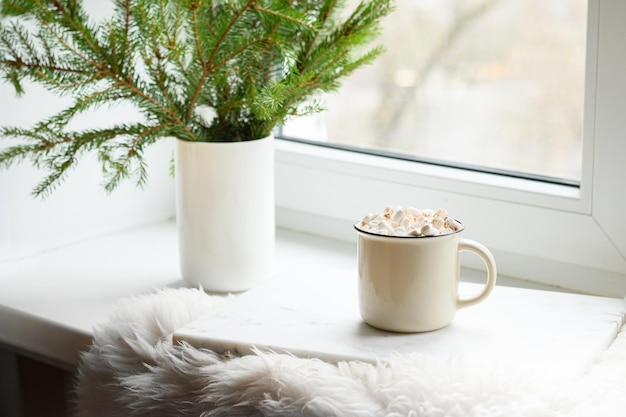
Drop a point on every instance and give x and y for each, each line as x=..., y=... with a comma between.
x=409, y=221
x=398, y=216
x=442, y=212
x=399, y=231
x=452, y=224
x=385, y=225
x=413, y=211
x=437, y=223
x=429, y=230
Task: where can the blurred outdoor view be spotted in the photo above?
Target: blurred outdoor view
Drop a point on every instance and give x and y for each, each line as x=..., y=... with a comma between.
x=492, y=83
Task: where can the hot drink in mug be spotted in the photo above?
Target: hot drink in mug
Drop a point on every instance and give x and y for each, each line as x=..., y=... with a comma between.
x=408, y=263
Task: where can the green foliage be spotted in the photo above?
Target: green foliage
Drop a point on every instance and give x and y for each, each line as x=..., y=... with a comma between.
x=255, y=62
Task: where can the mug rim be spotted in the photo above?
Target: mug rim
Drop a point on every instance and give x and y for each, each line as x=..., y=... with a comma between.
x=409, y=237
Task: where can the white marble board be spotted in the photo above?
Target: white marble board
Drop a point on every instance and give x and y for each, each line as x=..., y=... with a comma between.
x=314, y=313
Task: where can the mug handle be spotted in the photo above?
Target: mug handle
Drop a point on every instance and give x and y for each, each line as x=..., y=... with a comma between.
x=484, y=254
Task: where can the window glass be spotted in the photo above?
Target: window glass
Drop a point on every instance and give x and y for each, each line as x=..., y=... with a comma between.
x=490, y=84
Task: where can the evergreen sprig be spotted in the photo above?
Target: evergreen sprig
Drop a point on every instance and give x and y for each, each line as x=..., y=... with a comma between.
x=254, y=62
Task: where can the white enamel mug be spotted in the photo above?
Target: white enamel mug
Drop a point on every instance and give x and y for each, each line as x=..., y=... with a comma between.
x=410, y=284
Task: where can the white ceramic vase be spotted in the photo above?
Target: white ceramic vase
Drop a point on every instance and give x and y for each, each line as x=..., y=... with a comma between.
x=225, y=213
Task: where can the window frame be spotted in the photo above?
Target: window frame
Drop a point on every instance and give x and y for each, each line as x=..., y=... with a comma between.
x=553, y=234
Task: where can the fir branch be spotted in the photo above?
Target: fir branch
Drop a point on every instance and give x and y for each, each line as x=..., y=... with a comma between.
x=121, y=168
x=208, y=65
x=283, y=16
x=254, y=61
x=110, y=96
x=196, y=36
x=326, y=12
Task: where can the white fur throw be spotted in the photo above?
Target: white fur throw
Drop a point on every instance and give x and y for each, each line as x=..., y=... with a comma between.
x=133, y=369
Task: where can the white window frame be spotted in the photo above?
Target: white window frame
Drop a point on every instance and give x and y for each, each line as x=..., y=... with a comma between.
x=559, y=235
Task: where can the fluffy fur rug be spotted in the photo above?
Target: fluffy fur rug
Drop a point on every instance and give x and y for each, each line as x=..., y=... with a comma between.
x=133, y=369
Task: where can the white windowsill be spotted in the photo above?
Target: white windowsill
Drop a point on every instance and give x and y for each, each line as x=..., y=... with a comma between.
x=50, y=301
